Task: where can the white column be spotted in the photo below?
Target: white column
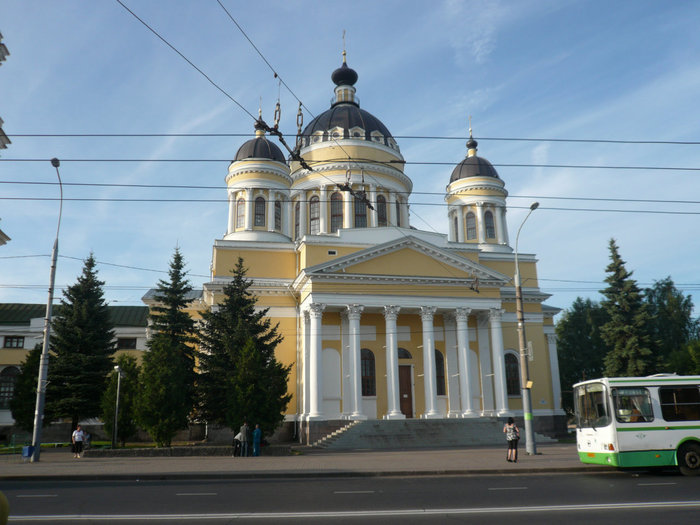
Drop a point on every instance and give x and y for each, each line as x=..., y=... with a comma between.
x=392, y=209
x=452, y=362
x=231, y=212
x=404, y=214
x=290, y=215
x=481, y=227
x=373, y=217
x=316, y=361
x=248, y=209
x=323, y=215
x=392, y=363
x=505, y=228
x=303, y=207
x=460, y=224
x=354, y=313
x=485, y=370
x=497, y=356
x=270, y=211
x=306, y=338
x=500, y=225
x=426, y=315
x=554, y=370
x=348, y=218
x=347, y=366
x=462, y=317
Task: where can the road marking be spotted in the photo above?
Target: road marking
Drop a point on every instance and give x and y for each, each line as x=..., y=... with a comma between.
x=193, y=518
x=196, y=494
x=353, y=492
x=36, y=496
x=654, y=484
x=507, y=488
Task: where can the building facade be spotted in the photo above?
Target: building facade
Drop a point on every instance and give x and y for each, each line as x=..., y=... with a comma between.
x=379, y=319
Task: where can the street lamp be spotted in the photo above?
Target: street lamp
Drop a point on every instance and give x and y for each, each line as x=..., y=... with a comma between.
x=525, y=384
x=44, y=361
x=116, y=408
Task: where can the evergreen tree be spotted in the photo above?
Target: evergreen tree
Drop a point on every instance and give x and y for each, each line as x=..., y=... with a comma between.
x=128, y=390
x=23, y=402
x=167, y=393
x=627, y=330
x=673, y=325
x=82, y=343
x=580, y=346
x=240, y=378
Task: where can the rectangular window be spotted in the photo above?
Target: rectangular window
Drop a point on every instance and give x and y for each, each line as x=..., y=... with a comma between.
x=13, y=341
x=590, y=406
x=680, y=403
x=126, y=343
x=632, y=405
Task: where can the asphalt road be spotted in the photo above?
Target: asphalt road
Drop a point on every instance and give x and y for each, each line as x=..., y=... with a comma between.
x=611, y=497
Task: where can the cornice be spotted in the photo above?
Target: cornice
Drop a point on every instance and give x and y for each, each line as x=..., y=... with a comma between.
x=259, y=169
x=342, y=166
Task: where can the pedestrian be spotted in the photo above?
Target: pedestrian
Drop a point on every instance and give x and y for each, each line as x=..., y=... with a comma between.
x=237, y=445
x=257, y=438
x=512, y=436
x=77, y=439
x=244, y=439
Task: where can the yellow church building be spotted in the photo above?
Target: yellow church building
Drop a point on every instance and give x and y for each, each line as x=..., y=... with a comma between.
x=381, y=320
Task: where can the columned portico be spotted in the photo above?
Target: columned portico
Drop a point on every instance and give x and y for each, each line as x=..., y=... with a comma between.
x=354, y=313
x=392, y=363
x=499, y=373
x=426, y=315
x=462, y=316
x=315, y=360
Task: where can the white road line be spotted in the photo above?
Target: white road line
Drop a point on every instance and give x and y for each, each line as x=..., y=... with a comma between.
x=655, y=484
x=353, y=492
x=36, y=496
x=507, y=488
x=196, y=494
x=583, y=507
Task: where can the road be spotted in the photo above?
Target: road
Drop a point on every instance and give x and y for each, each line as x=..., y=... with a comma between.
x=611, y=497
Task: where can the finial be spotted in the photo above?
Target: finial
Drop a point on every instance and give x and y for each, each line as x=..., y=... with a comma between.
x=344, y=54
x=260, y=109
x=470, y=126
x=471, y=143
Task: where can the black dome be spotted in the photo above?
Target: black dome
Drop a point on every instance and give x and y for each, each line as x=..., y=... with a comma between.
x=344, y=76
x=346, y=116
x=259, y=148
x=473, y=167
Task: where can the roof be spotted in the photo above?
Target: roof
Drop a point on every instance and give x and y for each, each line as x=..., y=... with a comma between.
x=259, y=148
x=473, y=167
x=22, y=314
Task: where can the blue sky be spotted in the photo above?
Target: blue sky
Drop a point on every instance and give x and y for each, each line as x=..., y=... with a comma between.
x=623, y=70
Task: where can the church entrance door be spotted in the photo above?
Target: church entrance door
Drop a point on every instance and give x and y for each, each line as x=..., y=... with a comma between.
x=406, y=390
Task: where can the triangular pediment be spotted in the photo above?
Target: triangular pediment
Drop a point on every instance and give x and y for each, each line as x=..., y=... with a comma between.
x=408, y=257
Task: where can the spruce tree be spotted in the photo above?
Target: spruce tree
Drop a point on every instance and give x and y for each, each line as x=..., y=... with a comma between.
x=167, y=393
x=23, y=402
x=128, y=390
x=82, y=344
x=240, y=378
x=627, y=330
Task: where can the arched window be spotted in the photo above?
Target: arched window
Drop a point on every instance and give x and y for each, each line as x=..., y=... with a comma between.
x=278, y=216
x=369, y=380
x=314, y=215
x=398, y=212
x=360, y=213
x=259, y=211
x=8, y=378
x=381, y=210
x=336, y=212
x=490, y=228
x=471, y=226
x=512, y=374
x=297, y=210
x=240, y=214
x=404, y=354
x=439, y=373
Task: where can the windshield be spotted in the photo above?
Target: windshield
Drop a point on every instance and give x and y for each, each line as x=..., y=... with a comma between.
x=590, y=406
x=632, y=405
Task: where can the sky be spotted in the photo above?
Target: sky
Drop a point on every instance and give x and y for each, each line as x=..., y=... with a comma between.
x=620, y=80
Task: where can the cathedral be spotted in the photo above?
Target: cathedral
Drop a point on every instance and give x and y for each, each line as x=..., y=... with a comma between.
x=381, y=320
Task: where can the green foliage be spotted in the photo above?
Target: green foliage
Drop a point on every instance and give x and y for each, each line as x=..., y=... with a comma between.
x=82, y=343
x=23, y=402
x=128, y=390
x=580, y=346
x=240, y=379
x=167, y=393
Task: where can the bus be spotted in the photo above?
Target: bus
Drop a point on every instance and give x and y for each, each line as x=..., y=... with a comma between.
x=639, y=422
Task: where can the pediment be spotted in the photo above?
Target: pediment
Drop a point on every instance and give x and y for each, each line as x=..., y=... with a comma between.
x=408, y=257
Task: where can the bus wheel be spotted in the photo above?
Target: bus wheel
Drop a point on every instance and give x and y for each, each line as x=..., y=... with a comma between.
x=689, y=459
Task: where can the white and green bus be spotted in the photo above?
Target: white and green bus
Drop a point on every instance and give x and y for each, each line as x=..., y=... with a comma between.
x=639, y=421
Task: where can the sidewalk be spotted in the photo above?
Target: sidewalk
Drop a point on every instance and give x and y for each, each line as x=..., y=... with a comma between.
x=60, y=464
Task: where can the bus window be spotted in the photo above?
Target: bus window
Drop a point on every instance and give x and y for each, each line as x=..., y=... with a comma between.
x=632, y=405
x=680, y=403
x=590, y=406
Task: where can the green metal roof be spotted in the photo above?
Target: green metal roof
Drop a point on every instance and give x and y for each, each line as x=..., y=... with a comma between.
x=22, y=314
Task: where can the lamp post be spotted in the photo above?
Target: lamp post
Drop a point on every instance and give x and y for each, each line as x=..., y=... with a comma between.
x=44, y=361
x=525, y=384
x=116, y=408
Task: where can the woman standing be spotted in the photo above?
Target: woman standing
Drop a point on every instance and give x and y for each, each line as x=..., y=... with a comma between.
x=512, y=436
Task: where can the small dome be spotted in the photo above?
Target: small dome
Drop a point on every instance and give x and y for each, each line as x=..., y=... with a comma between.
x=473, y=167
x=344, y=76
x=259, y=148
